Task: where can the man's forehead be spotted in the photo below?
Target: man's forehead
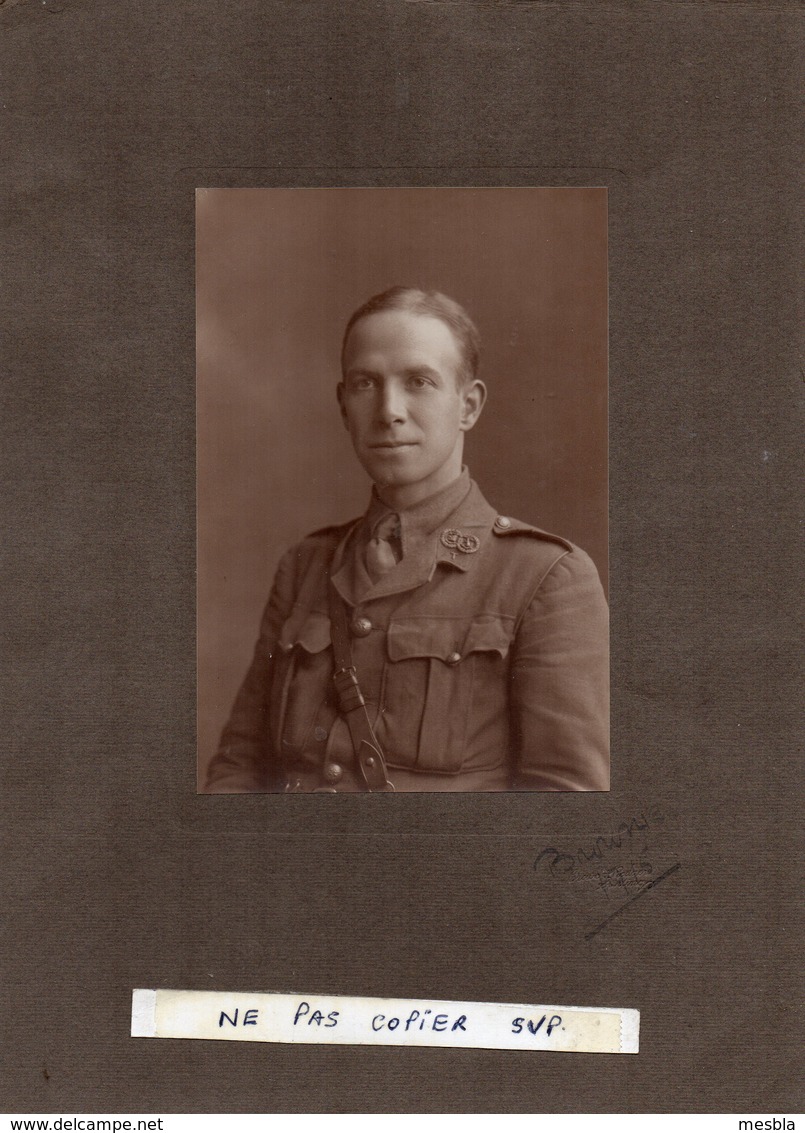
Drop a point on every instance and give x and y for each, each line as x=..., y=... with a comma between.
x=401, y=330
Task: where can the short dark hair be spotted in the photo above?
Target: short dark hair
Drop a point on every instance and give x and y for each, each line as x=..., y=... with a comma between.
x=437, y=306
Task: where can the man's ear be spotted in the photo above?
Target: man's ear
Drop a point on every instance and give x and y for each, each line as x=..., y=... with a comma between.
x=473, y=398
x=340, y=393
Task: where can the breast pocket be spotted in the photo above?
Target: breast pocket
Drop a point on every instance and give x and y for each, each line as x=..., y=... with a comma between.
x=304, y=671
x=445, y=685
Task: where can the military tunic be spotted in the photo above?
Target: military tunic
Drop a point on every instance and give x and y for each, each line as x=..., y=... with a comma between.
x=482, y=655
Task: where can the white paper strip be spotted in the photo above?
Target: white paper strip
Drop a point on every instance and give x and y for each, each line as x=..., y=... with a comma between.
x=270, y=1017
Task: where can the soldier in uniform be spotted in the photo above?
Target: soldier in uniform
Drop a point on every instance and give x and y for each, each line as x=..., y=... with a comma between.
x=432, y=644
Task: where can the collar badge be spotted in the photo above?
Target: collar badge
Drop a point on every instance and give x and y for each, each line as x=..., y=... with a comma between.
x=454, y=539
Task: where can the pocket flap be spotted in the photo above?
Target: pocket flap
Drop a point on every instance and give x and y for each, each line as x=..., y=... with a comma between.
x=307, y=628
x=449, y=639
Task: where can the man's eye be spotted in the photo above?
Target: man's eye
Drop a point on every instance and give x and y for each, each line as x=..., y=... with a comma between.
x=362, y=383
x=417, y=382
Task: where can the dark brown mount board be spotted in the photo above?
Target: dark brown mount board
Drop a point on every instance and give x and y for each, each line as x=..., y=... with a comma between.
x=116, y=874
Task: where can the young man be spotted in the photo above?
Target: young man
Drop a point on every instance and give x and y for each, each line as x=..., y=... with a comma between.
x=432, y=645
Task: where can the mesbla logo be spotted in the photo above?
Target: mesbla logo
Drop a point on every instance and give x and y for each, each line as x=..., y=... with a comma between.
x=766, y=1123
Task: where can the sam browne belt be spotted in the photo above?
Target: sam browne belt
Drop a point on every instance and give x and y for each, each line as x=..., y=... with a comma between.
x=369, y=756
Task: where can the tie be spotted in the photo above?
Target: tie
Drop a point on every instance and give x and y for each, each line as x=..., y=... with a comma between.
x=384, y=551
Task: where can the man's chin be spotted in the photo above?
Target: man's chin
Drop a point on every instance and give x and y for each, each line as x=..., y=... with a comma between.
x=384, y=478
x=397, y=469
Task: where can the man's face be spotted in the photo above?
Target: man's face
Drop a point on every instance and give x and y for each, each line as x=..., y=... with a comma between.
x=401, y=402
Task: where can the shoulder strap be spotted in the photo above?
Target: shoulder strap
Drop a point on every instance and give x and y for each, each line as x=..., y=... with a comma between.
x=368, y=752
x=504, y=525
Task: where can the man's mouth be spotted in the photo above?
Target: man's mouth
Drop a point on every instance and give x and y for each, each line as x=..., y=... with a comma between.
x=393, y=444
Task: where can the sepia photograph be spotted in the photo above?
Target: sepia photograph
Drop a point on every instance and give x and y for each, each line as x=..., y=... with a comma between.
x=402, y=494
x=359, y=358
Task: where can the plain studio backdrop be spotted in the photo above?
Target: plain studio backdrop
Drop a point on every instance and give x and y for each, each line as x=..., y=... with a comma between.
x=279, y=272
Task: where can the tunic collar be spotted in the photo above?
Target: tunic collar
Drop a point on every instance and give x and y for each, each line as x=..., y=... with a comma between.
x=427, y=531
x=421, y=519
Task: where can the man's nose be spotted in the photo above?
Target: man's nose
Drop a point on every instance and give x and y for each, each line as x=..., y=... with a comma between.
x=391, y=405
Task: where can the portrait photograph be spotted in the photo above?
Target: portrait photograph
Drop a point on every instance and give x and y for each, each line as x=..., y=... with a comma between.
x=399, y=402
x=402, y=490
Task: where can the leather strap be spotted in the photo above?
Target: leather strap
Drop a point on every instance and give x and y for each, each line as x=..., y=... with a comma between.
x=368, y=753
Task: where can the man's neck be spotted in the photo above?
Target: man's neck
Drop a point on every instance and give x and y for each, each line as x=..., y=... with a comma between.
x=398, y=498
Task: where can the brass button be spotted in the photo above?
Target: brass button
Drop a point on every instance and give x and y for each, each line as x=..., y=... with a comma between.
x=333, y=773
x=453, y=658
x=320, y=734
x=503, y=522
x=361, y=627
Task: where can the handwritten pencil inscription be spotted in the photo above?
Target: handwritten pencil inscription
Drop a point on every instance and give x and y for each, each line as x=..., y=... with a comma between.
x=618, y=866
